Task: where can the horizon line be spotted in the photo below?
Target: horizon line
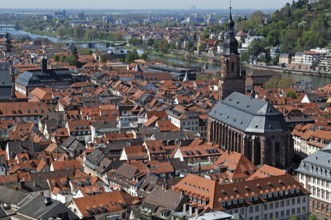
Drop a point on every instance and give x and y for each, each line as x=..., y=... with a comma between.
x=143, y=9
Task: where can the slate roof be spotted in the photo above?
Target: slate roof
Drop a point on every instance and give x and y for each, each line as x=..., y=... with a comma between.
x=37, y=209
x=5, y=81
x=149, y=182
x=96, y=156
x=5, y=78
x=35, y=77
x=3, y=213
x=11, y=196
x=169, y=199
x=16, y=147
x=317, y=164
x=248, y=114
x=72, y=144
x=179, y=135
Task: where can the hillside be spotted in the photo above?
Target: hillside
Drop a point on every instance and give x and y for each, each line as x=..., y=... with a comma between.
x=296, y=27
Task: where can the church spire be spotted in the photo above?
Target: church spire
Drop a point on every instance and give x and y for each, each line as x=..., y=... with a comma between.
x=231, y=22
x=231, y=79
x=230, y=44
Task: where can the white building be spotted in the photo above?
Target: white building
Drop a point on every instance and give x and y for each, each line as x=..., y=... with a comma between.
x=250, y=40
x=314, y=173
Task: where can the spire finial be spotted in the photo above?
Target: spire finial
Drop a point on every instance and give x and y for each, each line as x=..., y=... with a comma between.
x=231, y=22
x=231, y=9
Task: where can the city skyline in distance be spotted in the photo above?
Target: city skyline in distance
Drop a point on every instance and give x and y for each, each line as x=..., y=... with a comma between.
x=143, y=4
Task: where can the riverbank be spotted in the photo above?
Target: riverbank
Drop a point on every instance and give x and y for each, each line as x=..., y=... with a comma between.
x=318, y=79
x=292, y=71
x=184, y=60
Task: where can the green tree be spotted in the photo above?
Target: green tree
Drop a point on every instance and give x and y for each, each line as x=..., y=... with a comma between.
x=102, y=58
x=61, y=31
x=62, y=59
x=293, y=218
x=118, y=36
x=150, y=42
x=203, y=47
x=144, y=56
x=245, y=56
x=313, y=217
x=279, y=82
x=78, y=32
x=131, y=56
x=71, y=60
x=291, y=94
x=91, y=34
x=56, y=58
x=74, y=51
x=164, y=46
x=135, y=42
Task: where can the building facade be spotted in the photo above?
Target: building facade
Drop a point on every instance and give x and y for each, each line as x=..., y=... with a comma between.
x=314, y=173
x=252, y=127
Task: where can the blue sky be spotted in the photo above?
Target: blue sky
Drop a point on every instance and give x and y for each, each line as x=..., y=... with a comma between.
x=145, y=4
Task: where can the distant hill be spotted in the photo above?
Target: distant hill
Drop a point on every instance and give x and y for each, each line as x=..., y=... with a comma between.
x=296, y=27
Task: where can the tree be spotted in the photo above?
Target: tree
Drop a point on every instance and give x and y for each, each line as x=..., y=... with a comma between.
x=313, y=217
x=71, y=60
x=291, y=94
x=91, y=34
x=144, y=56
x=135, y=42
x=293, y=218
x=56, y=58
x=203, y=47
x=102, y=58
x=164, y=46
x=150, y=42
x=118, y=36
x=74, y=52
x=279, y=82
x=62, y=59
x=245, y=56
x=78, y=32
x=131, y=56
x=61, y=31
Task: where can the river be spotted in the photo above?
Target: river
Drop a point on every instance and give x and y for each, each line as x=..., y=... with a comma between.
x=317, y=81
x=15, y=32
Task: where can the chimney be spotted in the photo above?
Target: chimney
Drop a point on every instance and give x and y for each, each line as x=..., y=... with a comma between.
x=22, y=184
x=196, y=212
x=190, y=211
x=48, y=201
x=44, y=64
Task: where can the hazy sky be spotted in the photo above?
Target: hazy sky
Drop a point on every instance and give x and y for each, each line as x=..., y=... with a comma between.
x=144, y=4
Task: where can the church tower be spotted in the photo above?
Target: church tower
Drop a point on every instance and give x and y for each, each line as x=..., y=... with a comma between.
x=231, y=79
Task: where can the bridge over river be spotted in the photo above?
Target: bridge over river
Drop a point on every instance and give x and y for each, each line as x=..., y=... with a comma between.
x=10, y=26
x=96, y=44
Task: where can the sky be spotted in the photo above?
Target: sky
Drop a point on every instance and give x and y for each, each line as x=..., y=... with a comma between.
x=144, y=4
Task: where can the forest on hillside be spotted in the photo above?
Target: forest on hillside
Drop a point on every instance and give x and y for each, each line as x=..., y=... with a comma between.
x=296, y=27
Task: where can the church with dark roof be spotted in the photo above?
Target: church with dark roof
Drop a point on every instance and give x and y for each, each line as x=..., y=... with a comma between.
x=244, y=124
